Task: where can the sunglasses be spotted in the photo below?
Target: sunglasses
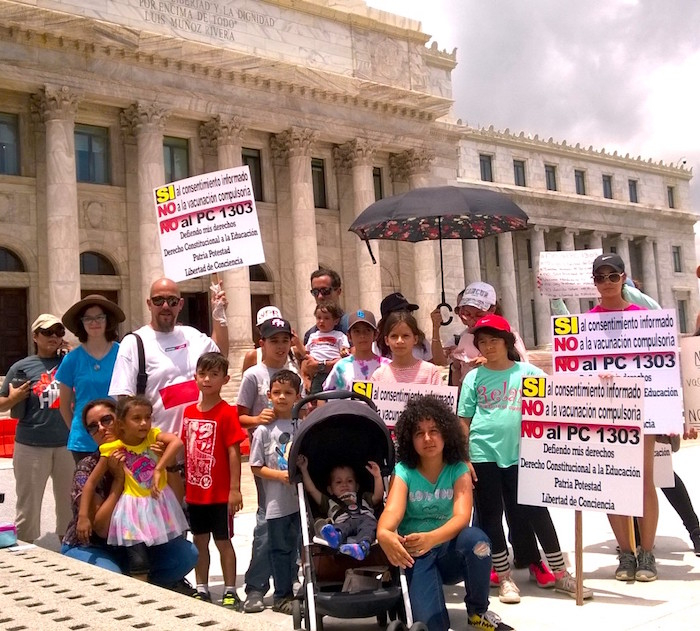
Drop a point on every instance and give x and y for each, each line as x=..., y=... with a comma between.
x=159, y=301
x=601, y=278
x=321, y=291
x=105, y=421
x=57, y=332
x=90, y=319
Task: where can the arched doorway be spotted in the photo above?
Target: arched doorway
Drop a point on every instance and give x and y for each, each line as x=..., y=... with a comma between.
x=13, y=312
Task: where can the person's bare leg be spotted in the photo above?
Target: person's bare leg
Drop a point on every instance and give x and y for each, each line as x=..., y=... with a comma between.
x=228, y=561
x=620, y=525
x=201, y=570
x=648, y=523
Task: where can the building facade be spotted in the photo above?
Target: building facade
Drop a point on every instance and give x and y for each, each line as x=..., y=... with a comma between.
x=331, y=105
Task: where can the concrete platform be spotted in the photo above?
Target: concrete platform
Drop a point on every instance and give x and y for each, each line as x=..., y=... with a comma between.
x=672, y=602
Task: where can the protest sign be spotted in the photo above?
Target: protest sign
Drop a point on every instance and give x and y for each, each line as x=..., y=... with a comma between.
x=630, y=344
x=391, y=398
x=567, y=274
x=663, y=466
x=690, y=372
x=208, y=223
x=582, y=443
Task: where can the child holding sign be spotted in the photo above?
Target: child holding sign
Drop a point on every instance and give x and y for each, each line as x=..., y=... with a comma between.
x=490, y=406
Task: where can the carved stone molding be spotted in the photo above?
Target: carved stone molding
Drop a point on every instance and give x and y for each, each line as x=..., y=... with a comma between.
x=142, y=118
x=410, y=162
x=292, y=143
x=221, y=130
x=341, y=159
x=54, y=103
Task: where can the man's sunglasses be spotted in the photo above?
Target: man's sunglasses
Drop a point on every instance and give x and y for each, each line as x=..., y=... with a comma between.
x=53, y=331
x=321, y=291
x=105, y=421
x=159, y=301
x=601, y=278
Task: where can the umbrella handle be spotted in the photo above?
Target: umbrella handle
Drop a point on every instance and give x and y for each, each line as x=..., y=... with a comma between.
x=449, y=308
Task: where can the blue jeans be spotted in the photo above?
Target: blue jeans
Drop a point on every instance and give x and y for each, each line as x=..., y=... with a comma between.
x=257, y=576
x=466, y=558
x=170, y=562
x=284, y=533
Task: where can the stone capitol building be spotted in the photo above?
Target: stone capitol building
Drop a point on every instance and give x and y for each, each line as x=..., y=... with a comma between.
x=332, y=105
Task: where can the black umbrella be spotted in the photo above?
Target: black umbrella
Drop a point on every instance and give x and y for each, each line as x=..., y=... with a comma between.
x=439, y=212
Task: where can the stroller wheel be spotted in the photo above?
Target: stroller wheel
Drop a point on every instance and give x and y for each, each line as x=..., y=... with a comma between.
x=418, y=626
x=396, y=625
x=296, y=615
x=382, y=619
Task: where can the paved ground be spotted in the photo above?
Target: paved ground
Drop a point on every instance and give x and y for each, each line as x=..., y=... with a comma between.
x=671, y=602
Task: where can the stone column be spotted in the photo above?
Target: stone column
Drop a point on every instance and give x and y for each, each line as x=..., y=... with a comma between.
x=507, y=279
x=595, y=240
x=568, y=245
x=650, y=285
x=57, y=108
x=623, y=249
x=146, y=122
x=359, y=155
x=405, y=252
x=472, y=262
x=542, y=310
x=225, y=135
x=295, y=145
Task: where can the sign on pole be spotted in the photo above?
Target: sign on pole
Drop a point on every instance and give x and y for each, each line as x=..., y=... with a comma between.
x=690, y=370
x=630, y=344
x=208, y=224
x=391, y=398
x=582, y=443
x=567, y=274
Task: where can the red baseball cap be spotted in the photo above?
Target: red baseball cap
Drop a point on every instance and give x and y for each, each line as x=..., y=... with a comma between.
x=492, y=321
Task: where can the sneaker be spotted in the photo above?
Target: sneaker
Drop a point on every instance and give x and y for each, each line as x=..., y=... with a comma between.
x=627, y=568
x=493, y=581
x=508, y=591
x=205, y=597
x=357, y=551
x=183, y=586
x=695, y=538
x=488, y=621
x=566, y=584
x=231, y=600
x=253, y=603
x=331, y=535
x=284, y=605
x=540, y=573
x=646, y=567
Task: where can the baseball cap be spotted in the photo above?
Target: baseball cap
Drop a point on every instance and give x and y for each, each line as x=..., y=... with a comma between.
x=362, y=316
x=611, y=260
x=395, y=302
x=267, y=313
x=45, y=321
x=479, y=295
x=275, y=325
x=492, y=321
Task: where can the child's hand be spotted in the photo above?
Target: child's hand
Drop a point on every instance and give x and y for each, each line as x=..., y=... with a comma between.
x=284, y=477
x=374, y=469
x=158, y=448
x=155, y=491
x=303, y=463
x=115, y=464
x=266, y=416
x=345, y=351
x=83, y=529
x=235, y=501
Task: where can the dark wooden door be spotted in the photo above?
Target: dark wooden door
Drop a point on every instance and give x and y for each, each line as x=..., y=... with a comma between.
x=196, y=311
x=13, y=315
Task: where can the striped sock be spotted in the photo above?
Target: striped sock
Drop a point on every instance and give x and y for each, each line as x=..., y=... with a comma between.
x=555, y=560
x=500, y=562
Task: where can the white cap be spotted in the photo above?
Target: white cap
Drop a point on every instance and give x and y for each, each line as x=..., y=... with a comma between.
x=479, y=295
x=267, y=313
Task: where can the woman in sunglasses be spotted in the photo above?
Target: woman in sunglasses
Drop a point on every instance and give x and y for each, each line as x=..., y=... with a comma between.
x=31, y=390
x=86, y=371
x=169, y=563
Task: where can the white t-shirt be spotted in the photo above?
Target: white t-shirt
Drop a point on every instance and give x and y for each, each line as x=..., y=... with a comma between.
x=324, y=346
x=171, y=361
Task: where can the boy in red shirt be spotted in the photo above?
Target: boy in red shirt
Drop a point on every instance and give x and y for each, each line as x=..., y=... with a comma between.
x=212, y=436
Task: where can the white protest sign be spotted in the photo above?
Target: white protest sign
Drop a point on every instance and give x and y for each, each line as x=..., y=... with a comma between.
x=567, y=274
x=582, y=443
x=663, y=466
x=630, y=344
x=391, y=398
x=208, y=223
x=690, y=371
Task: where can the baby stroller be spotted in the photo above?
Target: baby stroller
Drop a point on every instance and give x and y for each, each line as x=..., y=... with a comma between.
x=347, y=430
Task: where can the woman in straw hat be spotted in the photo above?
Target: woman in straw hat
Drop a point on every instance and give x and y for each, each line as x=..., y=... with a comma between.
x=86, y=371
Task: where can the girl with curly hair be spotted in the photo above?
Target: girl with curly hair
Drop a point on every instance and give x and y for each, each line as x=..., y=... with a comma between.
x=490, y=406
x=425, y=525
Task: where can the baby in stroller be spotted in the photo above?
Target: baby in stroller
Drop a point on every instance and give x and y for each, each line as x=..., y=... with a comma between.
x=351, y=524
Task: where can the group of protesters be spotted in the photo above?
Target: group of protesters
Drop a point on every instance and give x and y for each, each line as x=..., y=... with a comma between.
x=135, y=428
